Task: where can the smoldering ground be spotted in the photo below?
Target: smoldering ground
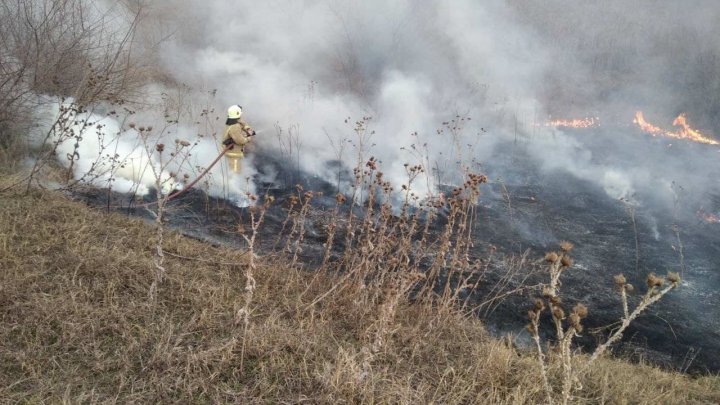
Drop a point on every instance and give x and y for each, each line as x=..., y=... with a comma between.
x=306, y=67
x=306, y=72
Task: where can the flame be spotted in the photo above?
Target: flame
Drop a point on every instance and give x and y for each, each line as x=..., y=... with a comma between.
x=688, y=133
x=647, y=127
x=589, y=122
x=684, y=132
x=708, y=217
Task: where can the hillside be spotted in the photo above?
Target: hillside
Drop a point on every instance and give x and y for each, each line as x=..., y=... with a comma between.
x=447, y=202
x=77, y=325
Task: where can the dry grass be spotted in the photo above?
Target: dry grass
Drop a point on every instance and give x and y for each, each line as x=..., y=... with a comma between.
x=76, y=325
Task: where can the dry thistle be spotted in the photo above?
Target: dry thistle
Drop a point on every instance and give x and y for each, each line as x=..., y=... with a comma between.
x=566, y=261
x=551, y=257
x=418, y=276
x=673, y=278
x=654, y=281
x=574, y=320
x=629, y=288
x=620, y=280
x=558, y=312
x=581, y=310
x=539, y=305
x=159, y=147
x=566, y=246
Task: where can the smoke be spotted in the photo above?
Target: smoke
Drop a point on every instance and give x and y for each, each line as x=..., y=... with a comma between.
x=660, y=56
x=103, y=148
x=449, y=84
x=313, y=69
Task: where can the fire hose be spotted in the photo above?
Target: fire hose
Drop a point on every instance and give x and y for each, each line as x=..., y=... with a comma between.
x=175, y=194
x=207, y=169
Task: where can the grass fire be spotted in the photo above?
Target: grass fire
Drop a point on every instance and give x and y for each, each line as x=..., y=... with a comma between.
x=359, y=202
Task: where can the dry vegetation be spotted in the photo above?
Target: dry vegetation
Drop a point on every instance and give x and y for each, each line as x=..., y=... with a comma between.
x=80, y=51
x=101, y=308
x=609, y=47
x=77, y=326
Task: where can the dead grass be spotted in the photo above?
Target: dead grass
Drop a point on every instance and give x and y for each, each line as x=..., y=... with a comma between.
x=76, y=325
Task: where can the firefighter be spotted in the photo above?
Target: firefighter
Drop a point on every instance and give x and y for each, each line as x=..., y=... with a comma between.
x=237, y=135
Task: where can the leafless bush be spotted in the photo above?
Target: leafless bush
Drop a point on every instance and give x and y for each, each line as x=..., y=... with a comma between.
x=569, y=326
x=164, y=188
x=290, y=145
x=386, y=251
x=76, y=49
x=242, y=316
x=77, y=327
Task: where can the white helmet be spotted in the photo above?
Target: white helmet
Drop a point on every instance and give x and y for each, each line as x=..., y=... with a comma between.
x=234, y=112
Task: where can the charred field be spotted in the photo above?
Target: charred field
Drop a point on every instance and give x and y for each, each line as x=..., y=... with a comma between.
x=447, y=202
x=522, y=213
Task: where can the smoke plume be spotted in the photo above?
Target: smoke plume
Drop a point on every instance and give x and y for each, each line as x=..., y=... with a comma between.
x=450, y=84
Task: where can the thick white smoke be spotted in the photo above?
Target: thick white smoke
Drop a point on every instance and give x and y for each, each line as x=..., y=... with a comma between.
x=306, y=71
x=106, y=149
x=311, y=65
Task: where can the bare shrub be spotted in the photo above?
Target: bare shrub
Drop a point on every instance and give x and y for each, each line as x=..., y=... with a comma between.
x=77, y=327
x=80, y=50
x=388, y=252
x=567, y=326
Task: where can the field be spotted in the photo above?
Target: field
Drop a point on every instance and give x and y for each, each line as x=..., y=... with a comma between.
x=78, y=325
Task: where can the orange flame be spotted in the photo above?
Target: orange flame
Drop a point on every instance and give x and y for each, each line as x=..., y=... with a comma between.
x=575, y=123
x=708, y=217
x=647, y=127
x=685, y=131
x=688, y=133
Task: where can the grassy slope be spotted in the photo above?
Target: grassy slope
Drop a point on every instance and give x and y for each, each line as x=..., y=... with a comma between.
x=76, y=324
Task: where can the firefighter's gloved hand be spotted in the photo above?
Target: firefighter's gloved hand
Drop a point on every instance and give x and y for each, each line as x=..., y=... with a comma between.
x=228, y=142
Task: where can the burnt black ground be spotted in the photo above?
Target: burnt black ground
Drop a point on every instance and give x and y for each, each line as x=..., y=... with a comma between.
x=681, y=332
x=684, y=325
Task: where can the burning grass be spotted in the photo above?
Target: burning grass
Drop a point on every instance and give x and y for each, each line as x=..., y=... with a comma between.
x=77, y=325
x=589, y=122
x=684, y=131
